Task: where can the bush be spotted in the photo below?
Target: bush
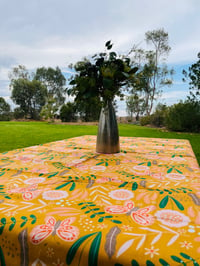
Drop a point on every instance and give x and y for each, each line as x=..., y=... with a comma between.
x=184, y=116
x=5, y=114
x=158, y=117
x=18, y=113
x=145, y=120
x=68, y=112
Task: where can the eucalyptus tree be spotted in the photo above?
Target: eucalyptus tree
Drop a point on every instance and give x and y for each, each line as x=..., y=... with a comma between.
x=153, y=72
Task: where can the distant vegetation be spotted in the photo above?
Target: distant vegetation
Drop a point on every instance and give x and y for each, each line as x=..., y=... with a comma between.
x=42, y=94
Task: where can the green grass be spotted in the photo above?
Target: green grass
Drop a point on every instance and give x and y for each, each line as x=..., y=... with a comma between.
x=15, y=135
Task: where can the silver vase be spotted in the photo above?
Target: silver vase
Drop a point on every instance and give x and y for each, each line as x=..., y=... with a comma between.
x=108, y=136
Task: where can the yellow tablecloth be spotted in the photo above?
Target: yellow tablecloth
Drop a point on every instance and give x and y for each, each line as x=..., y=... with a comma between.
x=61, y=203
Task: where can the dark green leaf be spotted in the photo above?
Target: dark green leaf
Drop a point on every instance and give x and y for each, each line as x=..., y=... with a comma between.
x=178, y=204
x=34, y=218
x=2, y=259
x=186, y=256
x=134, y=186
x=53, y=174
x=13, y=224
x=164, y=202
x=123, y=184
x=163, y=262
x=72, y=186
x=134, y=263
x=149, y=263
x=101, y=220
x=94, y=250
x=73, y=249
x=108, y=43
x=63, y=185
x=169, y=170
x=116, y=221
x=177, y=259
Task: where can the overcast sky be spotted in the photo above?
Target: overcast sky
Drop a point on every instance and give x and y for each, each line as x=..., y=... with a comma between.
x=58, y=32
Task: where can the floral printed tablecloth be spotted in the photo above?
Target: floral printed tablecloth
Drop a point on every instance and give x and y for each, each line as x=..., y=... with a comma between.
x=61, y=203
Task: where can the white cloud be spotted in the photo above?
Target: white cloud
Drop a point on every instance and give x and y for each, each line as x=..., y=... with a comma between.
x=58, y=32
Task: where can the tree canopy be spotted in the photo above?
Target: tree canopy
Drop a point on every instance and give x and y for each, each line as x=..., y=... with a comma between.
x=4, y=110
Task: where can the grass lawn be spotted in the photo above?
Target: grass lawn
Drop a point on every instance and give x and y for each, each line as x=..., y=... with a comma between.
x=15, y=135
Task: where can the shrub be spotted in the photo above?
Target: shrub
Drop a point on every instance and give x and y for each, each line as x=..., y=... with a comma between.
x=184, y=116
x=4, y=110
x=145, y=120
x=68, y=112
x=158, y=117
x=18, y=113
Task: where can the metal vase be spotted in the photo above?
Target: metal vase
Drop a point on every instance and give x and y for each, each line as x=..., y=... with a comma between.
x=108, y=136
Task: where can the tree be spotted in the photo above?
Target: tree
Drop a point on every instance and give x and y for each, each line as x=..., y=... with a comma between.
x=49, y=109
x=105, y=76
x=68, y=112
x=135, y=105
x=152, y=75
x=4, y=110
x=89, y=110
x=54, y=81
x=29, y=95
x=193, y=75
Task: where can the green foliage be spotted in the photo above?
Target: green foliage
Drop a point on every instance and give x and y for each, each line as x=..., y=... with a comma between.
x=18, y=113
x=5, y=114
x=145, y=120
x=29, y=95
x=158, y=117
x=153, y=73
x=68, y=112
x=54, y=81
x=105, y=76
x=184, y=116
x=193, y=75
x=49, y=109
x=135, y=105
x=89, y=110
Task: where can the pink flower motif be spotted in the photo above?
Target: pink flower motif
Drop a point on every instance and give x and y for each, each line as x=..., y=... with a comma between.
x=175, y=176
x=117, y=209
x=98, y=168
x=34, y=180
x=121, y=194
x=40, y=170
x=157, y=176
x=55, y=194
x=172, y=218
x=82, y=167
x=102, y=180
x=141, y=170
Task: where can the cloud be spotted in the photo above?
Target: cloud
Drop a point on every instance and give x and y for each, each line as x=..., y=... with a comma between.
x=59, y=32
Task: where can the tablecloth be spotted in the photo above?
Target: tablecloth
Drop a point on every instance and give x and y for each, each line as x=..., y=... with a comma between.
x=61, y=203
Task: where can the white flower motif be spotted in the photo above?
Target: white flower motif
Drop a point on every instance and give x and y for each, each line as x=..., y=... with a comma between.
x=175, y=176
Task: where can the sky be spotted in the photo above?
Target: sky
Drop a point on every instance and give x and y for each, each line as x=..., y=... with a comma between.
x=59, y=32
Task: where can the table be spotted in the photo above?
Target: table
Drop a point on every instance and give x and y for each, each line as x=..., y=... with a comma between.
x=61, y=203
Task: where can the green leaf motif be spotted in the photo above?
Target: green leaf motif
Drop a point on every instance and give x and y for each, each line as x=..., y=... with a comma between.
x=123, y=184
x=134, y=263
x=195, y=263
x=73, y=249
x=63, y=185
x=134, y=186
x=116, y=221
x=163, y=262
x=169, y=170
x=13, y=223
x=2, y=259
x=25, y=221
x=149, y=263
x=177, y=259
x=34, y=219
x=2, y=173
x=164, y=202
x=178, y=204
x=53, y=174
x=72, y=186
x=94, y=250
